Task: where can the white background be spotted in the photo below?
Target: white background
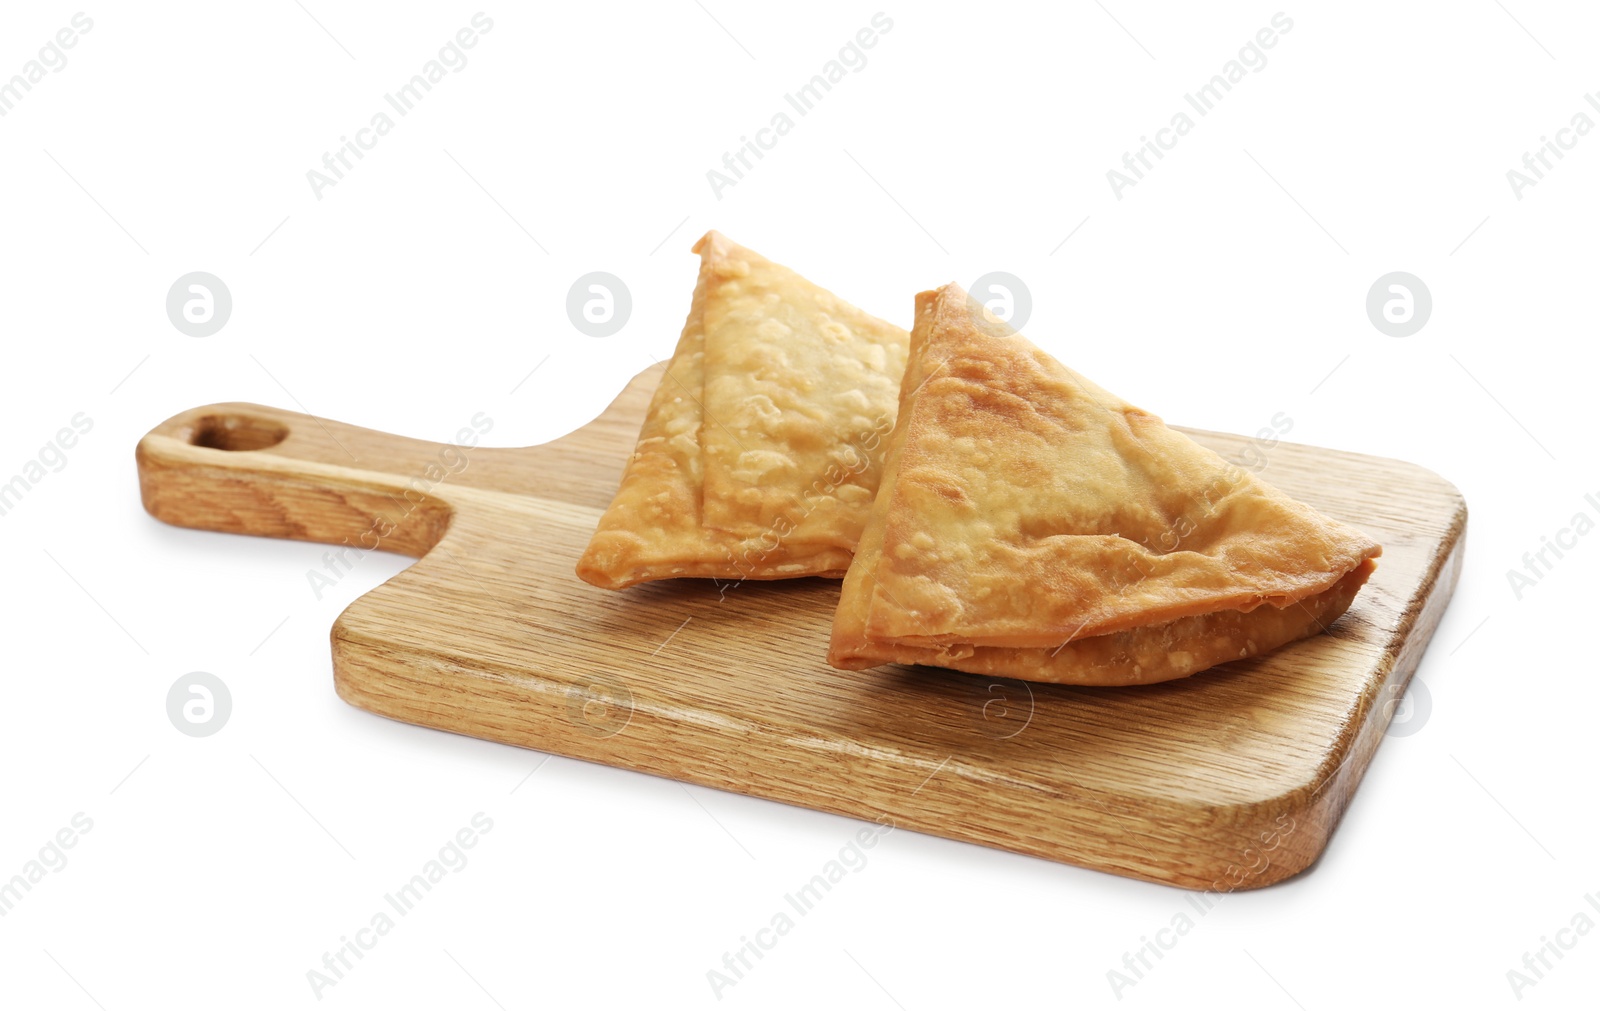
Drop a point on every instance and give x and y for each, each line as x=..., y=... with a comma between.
x=1224, y=288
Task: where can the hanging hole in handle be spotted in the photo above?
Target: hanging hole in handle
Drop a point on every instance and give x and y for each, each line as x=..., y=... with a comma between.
x=236, y=432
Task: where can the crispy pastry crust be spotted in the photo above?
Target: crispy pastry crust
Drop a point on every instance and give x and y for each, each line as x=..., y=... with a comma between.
x=1029, y=523
x=763, y=445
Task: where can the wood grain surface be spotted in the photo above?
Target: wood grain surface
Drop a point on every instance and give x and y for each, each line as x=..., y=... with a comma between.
x=1233, y=778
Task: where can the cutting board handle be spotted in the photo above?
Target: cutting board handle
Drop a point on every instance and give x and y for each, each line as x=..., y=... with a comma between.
x=249, y=469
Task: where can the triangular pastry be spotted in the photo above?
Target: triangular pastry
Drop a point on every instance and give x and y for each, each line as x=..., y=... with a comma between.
x=763, y=445
x=1031, y=524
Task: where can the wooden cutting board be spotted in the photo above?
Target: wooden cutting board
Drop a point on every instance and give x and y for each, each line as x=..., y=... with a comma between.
x=1230, y=779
